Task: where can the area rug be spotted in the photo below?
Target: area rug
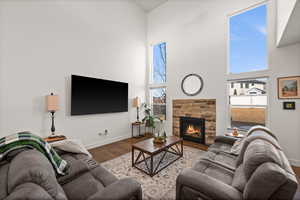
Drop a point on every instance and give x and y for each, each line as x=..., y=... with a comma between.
x=163, y=185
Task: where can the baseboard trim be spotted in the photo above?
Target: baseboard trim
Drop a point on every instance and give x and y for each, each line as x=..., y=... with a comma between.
x=294, y=162
x=107, y=141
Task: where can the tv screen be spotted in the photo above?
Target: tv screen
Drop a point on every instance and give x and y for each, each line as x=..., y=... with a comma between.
x=92, y=96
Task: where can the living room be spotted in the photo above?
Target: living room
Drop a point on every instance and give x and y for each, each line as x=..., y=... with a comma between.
x=206, y=67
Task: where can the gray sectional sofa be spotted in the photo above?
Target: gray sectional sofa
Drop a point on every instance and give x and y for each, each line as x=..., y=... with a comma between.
x=28, y=175
x=259, y=171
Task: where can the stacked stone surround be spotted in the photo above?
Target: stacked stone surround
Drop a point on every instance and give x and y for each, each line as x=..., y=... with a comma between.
x=198, y=108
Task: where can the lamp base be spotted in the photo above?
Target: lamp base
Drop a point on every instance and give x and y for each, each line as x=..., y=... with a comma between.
x=52, y=136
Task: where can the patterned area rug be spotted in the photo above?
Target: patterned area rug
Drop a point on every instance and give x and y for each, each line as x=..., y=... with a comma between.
x=163, y=185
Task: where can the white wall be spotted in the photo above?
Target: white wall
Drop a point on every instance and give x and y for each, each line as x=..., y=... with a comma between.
x=284, y=11
x=43, y=42
x=196, y=36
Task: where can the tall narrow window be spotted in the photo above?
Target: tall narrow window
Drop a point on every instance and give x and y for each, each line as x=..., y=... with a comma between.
x=157, y=84
x=159, y=63
x=248, y=40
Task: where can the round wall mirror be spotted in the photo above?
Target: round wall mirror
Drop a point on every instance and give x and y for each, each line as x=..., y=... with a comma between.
x=192, y=84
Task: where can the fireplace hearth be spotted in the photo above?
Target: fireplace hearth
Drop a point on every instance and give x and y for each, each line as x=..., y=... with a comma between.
x=192, y=129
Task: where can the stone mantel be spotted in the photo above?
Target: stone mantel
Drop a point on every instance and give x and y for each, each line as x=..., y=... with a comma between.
x=198, y=108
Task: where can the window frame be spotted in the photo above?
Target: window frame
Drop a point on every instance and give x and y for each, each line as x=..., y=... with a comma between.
x=232, y=77
x=228, y=83
x=265, y=2
x=150, y=84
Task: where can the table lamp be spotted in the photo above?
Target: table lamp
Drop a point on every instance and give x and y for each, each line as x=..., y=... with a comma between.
x=52, y=107
x=136, y=104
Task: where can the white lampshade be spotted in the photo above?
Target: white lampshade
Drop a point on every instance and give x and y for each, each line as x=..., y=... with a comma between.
x=52, y=102
x=136, y=102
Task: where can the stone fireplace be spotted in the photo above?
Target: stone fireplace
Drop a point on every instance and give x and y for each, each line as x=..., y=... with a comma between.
x=200, y=111
x=192, y=129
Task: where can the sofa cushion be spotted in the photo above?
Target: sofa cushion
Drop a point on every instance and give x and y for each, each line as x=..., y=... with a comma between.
x=86, y=177
x=214, y=170
x=3, y=182
x=258, y=134
x=237, y=146
x=222, y=158
x=104, y=176
x=219, y=146
x=239, y=179
x=257, y=153
x=267, y=179
x=82, y=187
x=32, y=166
x=30, y=191
x=261, y=128
x=76, y=168
x=123, y=189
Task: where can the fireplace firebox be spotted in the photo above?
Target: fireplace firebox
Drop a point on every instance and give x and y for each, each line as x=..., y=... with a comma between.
x=192, y=129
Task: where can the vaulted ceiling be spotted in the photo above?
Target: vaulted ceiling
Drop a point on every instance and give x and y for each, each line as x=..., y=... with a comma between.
x=149, y=5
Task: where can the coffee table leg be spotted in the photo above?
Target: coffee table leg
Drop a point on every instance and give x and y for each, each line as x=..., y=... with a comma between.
x=132, y=156
x=151, y=166
x=181, y=148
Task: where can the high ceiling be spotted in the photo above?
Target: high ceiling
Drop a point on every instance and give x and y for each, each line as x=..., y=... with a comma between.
x=149, y=5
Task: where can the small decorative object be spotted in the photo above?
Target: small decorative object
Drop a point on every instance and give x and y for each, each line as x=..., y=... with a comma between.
x=289, y=105
x=159, y=140
x=136, y=104
x=235, y=132
x=289, y=87
x=52, y=107
x=192, y=84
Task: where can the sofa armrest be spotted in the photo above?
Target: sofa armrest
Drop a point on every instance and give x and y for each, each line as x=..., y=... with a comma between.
x=225, y=139
x=122, y=189
x=31, y=191
x=206, y=186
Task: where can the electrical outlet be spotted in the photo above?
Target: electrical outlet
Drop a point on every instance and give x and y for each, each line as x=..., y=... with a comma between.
x=100, y=134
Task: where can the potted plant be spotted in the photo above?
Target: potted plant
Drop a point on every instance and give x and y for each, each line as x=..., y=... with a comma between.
x=150, y=121
x=161, y=136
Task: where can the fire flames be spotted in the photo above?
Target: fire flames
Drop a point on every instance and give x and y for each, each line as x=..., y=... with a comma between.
x=191, y=130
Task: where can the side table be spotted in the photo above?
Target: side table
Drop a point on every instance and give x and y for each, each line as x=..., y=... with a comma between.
x=55, y=138
x=136, y=125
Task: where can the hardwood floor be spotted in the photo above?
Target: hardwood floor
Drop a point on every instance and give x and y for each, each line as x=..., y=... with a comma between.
x=297, y=171
x=116, y=149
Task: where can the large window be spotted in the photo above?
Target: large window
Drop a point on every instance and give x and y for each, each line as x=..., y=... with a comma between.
x=248, y=40
x=248, y=98
x=248, y=106
x=157, y=83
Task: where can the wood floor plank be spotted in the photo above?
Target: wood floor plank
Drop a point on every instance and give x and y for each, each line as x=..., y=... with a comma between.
x=297, y=172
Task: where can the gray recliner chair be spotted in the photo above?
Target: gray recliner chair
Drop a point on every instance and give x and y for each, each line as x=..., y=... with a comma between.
x=30, y=176
x=260, y=171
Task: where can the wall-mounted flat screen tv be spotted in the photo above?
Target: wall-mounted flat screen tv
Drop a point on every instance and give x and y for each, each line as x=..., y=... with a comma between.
x=92, y=96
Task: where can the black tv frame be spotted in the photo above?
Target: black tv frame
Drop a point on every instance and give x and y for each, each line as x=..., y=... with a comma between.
x=94, y=113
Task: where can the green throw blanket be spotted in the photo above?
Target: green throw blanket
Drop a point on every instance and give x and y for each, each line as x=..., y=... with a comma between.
x=29, y=140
